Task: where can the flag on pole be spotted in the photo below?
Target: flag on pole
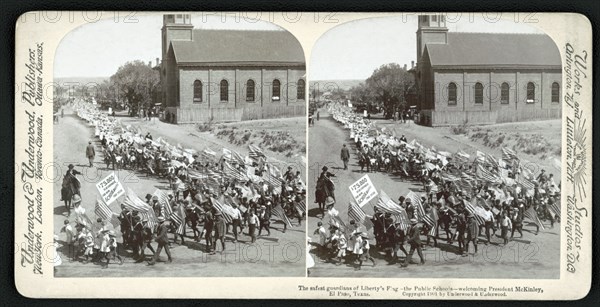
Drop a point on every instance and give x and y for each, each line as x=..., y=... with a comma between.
x=209, y=154
x=471, y=209
x=278, y=212
x=235, y=156
x=555, y=208
x=225, y=209
x=234, y=173
x=163, y=200
x=533, y=216
x=449, y=177
x=301, y=206
x=103, y=211
x=255, y=152
x=488, y=175
x=179, y=214
x=195, y=174
x=416, y=201
x=509, y=154
x=431, y=219
x=134, y=203
x=387, y=205
x=357, y=214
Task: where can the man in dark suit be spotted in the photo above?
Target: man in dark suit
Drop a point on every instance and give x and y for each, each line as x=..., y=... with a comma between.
x=264, y=218
x=345, y=156
x=414, y=240
x=90, y=153
x=162, y=240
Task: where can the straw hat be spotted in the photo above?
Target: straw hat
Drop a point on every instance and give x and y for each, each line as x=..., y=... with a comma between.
x=329, y=201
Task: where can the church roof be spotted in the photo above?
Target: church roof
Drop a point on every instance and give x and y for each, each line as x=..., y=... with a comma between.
x=495, y=50
x=214, y=47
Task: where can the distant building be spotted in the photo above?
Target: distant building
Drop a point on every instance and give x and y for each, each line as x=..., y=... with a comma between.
x=230, y=75
x=485, y=78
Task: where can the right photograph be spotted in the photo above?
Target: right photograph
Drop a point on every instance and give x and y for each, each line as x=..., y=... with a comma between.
x=434, y=149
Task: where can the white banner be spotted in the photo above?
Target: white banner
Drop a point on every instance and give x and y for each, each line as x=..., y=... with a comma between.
x=363, y=190
x=110, y=188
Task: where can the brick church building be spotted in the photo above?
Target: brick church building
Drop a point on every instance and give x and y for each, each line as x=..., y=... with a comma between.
x=485, y=78
x=229, y=75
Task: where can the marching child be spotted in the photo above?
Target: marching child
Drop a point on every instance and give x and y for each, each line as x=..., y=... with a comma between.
x=366, y=249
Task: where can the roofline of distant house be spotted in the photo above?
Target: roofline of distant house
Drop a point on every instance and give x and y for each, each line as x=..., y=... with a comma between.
x=497, y=67
x=243, y=64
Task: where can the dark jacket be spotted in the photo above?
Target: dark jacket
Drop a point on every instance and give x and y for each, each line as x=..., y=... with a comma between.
x=162, y=232
x=345, y=153
x=90, y=151
x=413, y=234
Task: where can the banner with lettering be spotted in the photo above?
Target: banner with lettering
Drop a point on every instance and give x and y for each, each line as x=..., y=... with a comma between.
x=363, y=190
x=110, y=188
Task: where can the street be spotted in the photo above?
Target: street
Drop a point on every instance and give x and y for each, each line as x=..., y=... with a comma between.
x=528, y=257
x=280, y=254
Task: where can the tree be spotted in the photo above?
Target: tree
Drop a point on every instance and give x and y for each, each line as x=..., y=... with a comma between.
x=136, y=82
x=389, y=83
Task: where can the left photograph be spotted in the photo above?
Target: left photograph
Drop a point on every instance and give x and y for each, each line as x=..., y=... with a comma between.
x=179, y=149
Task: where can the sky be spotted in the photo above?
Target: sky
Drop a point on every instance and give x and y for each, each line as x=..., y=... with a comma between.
x=99, y=49
x=349, y=51
x=354, y=50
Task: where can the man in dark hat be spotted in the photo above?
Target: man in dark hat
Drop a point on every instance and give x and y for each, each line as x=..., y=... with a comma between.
x=264, y=219
x=90, y=153
x=162, y=240
x=345, y=156
x=414, y=240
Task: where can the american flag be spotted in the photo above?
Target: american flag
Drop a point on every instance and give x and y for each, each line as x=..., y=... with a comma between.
x=178, y=218
x=277, y=211
x=234, y=173
x=357, y=214
x=163, y=200
x=209, y=154
x=471, y=209
x=525, y=183
x=274, y=170
x=487, y=175
x=301, y=206
x=133, y=202
x=416, y=201
x=467, y=177
x=103, y=211
x=225, y=209
x=462, y=156
x=449, y=177
x=509, y=154
x=386, y=204
x=431, y=220
x=337, y=222
x=195, y=174
x=255, y=152
x=532, y=215
x=486, y=159
x=237, y=157
x=555, y=208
